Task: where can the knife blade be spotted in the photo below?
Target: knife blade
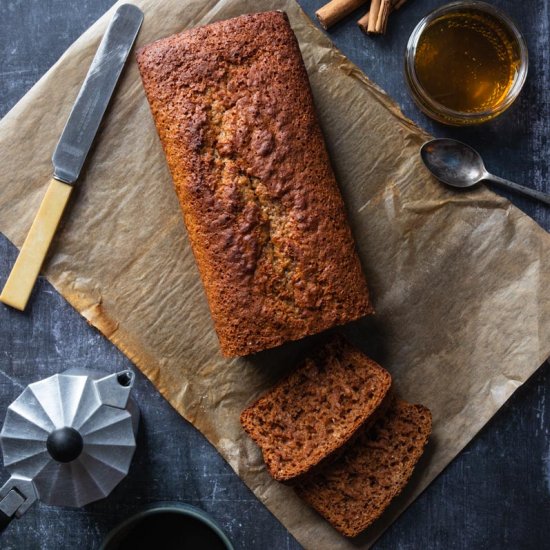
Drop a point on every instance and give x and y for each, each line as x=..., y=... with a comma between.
x=71, y=150
x=93, y=98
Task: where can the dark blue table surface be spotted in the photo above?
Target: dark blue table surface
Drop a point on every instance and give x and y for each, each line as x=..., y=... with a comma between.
x=496, y=494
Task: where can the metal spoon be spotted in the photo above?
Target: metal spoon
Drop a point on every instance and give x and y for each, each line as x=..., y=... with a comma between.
x=457, y=164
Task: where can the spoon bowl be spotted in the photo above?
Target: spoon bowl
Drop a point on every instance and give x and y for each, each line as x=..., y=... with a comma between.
x=453, y=162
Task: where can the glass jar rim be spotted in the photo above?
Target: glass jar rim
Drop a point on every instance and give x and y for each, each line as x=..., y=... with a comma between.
x=434, y=105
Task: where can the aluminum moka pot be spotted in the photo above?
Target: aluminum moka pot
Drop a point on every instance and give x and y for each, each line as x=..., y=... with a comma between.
x=68, y=440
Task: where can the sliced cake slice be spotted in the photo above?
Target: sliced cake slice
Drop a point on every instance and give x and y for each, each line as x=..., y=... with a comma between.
x=358, y=486
x=315, y=410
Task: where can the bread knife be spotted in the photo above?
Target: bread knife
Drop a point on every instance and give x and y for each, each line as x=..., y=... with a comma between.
x=72, y=149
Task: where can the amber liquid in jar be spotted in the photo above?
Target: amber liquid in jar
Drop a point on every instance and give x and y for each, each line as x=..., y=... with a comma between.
x=467, y=61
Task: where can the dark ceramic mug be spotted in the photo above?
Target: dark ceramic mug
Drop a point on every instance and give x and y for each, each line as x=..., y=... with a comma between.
x=170, y=526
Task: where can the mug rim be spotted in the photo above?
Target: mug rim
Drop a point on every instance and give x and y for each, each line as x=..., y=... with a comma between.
x=187, y=510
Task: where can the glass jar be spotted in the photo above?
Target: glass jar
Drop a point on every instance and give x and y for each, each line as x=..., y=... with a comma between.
x=462, y=44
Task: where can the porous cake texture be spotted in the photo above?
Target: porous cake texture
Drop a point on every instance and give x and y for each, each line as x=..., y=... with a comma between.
x=314, y=411
x=358, y=486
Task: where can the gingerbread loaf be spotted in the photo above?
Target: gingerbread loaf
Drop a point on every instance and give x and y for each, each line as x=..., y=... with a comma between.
x=309, y=415
x=234, y=111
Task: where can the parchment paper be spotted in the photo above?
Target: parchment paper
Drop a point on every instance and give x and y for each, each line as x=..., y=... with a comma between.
x=460, y=280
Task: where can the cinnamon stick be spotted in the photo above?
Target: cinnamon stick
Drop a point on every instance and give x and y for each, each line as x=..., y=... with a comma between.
x=383, y=15
x=381, y=19
x=335, y=10
x=373, y=15
x=364, y=22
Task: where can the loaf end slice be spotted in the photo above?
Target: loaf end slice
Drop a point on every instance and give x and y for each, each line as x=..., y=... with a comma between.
x=354, y=490
x=309, y=415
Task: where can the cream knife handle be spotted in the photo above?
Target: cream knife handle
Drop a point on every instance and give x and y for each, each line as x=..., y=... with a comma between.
x=23, y=275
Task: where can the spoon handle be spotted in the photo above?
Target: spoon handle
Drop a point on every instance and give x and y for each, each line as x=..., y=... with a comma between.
x=539, y=195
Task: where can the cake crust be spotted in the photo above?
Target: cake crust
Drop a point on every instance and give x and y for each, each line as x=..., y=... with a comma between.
x=234, y=111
